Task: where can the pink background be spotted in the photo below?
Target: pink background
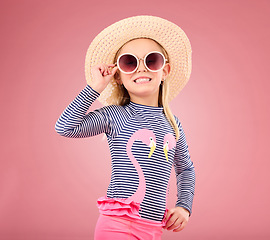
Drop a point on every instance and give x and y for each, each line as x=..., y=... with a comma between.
x=49, y=184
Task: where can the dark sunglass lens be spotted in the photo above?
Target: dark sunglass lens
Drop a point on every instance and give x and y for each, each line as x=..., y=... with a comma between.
x=154, y=61
x=127, y=63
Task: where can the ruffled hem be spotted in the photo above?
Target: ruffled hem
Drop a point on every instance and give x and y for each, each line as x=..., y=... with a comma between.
x=118, y=207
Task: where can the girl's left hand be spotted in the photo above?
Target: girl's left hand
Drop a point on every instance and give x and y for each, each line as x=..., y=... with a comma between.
x=176, y=219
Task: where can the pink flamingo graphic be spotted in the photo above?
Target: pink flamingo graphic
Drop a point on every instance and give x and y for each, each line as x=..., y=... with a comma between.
x=168, y=144
x=148, y=137
x=130, y=206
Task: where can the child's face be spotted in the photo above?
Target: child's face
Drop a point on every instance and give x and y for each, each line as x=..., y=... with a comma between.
x=147, y=91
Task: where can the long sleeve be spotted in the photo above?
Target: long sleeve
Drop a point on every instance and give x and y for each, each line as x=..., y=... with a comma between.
x=185, y=173
x=75, y=123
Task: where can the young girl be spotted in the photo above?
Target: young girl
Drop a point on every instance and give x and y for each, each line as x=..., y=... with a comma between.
x=135, y=67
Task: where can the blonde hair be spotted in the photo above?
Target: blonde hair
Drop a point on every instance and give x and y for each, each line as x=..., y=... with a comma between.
x=123, y=98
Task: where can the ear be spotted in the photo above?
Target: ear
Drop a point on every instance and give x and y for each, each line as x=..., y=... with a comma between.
x=166, y=70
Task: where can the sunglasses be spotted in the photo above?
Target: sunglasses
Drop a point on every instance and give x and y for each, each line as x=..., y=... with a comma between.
x=153, y=61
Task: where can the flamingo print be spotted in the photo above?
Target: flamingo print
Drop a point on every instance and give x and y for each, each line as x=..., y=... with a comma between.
x=130, y=206
x=168, y=144
x=149, y=138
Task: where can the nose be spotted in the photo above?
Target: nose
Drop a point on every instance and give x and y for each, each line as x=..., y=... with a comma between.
x=141, y=66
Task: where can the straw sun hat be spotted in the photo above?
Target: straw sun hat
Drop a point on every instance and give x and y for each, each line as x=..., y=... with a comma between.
x=170, y=36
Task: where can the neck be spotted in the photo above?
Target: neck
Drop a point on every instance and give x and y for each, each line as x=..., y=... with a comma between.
x=145, y=100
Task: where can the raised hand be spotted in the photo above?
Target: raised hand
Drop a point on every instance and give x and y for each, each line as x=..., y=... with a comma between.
x=102, y=75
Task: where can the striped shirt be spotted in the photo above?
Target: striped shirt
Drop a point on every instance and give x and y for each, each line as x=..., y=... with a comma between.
x=120, y=123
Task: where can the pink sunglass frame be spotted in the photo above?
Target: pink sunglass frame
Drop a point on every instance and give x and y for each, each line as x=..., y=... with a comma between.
x=138, y=61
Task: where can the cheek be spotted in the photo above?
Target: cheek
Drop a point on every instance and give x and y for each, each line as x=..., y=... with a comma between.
x=125, y=78
x=159, y=75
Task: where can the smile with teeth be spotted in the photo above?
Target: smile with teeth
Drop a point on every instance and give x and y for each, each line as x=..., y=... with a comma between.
x=142, y=80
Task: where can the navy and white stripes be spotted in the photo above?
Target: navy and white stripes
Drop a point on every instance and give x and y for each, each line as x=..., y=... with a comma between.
x=119, y=123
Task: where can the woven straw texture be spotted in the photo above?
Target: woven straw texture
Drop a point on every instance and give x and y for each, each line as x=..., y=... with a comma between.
x=105, y=45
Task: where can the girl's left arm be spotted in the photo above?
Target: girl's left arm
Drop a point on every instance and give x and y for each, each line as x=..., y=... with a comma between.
x=185, y=172
x=177, y=217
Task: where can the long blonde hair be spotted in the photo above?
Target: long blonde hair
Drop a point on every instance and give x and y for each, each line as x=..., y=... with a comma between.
x=123, y=98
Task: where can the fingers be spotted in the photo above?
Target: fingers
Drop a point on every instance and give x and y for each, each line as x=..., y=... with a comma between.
x=175, y=224
x=111, y=65
x=175, y=220
x=181, y=227
x=171, y=222
x=104, y=69
x=114, y=70
x=168, y=215
x=110, y=72
x=102, y=74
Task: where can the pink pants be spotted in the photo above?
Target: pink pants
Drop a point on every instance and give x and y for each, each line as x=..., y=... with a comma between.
x=115, y=227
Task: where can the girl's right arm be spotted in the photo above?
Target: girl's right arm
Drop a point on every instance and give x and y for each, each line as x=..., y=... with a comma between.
x=74, y=122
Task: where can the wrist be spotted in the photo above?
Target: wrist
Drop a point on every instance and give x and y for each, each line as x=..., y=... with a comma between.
x=186, y=210
x=96, y=88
